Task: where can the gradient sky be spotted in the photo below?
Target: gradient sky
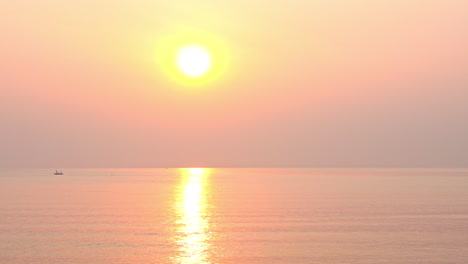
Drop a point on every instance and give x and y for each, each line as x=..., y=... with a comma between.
x=323, y=83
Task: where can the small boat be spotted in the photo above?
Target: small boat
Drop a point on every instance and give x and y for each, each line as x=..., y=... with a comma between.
x=58, y=172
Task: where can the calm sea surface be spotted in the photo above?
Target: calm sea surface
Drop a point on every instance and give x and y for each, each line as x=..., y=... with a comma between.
x=234, y=216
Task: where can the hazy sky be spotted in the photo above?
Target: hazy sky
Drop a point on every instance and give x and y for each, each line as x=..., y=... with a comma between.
x=316, y=83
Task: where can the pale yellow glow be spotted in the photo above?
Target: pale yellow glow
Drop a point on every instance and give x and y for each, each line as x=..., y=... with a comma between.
x=196, y=171
x=192, y=217
x=193, y=61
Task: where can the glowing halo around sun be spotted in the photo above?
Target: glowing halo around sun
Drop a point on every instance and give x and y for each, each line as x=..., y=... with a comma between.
x=192, y=57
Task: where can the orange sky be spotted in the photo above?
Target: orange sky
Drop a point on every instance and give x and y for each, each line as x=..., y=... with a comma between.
x=309, y=83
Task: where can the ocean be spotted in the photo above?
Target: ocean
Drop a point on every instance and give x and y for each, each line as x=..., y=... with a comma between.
x=249, y=216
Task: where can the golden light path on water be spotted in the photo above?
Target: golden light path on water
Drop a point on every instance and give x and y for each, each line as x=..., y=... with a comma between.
x=192, y=217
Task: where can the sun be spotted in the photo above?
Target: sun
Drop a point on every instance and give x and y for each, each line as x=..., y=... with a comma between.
x=193, y=58
x=193, y=61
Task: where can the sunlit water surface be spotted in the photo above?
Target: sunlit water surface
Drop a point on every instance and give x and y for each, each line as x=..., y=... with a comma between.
x=191, y=216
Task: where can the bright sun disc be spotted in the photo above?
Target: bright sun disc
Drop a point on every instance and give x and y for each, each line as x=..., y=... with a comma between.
x=193, y=58
x=193, y=61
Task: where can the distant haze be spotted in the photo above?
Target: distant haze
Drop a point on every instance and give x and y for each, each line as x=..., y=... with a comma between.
x=325, y=83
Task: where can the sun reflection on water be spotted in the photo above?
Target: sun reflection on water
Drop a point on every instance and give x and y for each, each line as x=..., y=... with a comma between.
x=192, y=217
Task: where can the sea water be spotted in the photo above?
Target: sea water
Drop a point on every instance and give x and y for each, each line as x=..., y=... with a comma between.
x=326, y=216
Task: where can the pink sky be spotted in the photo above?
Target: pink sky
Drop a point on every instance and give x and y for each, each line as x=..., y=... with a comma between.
x=311, y=83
